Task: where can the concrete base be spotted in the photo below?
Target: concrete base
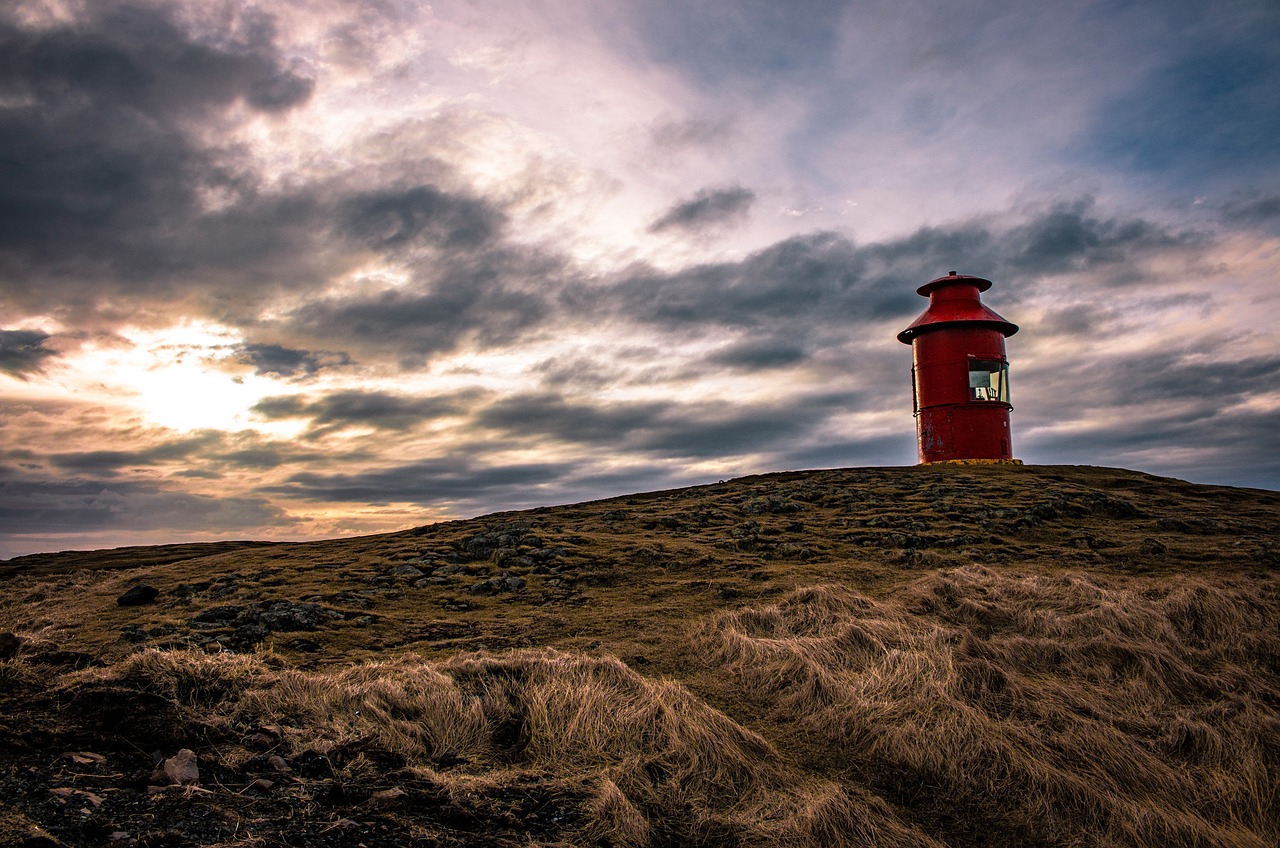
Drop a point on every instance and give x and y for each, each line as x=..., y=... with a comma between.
x=974, y=462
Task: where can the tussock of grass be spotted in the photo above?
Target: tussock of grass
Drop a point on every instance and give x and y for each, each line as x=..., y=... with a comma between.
x=658, y=763
x=1038, y=706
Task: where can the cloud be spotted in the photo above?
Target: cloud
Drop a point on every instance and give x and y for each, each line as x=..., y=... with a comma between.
x=551, y=415
x=289, y=362
x=1252, y=210
x=106, y=113
x=754, y=355
x=697, y=132
x=22, y=352
x=355, y=408
x=108, y=462
x=815, y=280
x=491, y=298
x=1198, y=376
x=395, y=218
x=822, y=284
x=708, y=208
x=1071, y=237
x=432, y=481
x=35, y=507
x=660, y=429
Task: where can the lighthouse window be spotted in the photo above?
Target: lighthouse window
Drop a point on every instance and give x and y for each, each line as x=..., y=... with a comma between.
x=988, y=380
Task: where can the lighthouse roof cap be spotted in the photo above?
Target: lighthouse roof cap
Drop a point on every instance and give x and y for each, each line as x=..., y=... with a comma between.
x=951, y=279
x=952, y=311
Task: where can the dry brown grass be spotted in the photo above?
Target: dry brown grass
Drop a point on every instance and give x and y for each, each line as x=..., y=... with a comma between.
x=1041, y=705
x=659, y=765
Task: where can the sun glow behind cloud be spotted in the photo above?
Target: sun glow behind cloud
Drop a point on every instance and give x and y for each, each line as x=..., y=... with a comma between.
x=184, y=377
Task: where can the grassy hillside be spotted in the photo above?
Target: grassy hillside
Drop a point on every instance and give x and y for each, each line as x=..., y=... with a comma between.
x=959, y=656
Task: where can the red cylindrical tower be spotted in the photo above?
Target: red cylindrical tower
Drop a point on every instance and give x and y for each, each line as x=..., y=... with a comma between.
x=960, y=375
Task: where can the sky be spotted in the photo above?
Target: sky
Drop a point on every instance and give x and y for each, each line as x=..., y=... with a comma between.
x=318, y=268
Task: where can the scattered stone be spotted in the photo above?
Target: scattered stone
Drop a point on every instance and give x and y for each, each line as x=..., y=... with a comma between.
x=287, y=615
x=137, y=596
x=84, y=758
x=262, y=784
x=219, y=615
x=246, y=636
x=278, y=763
x=433, y=580
x=68, y=793
x=9, y=645
x=181, y=768
x=260, y=741
x=1153, y=547
x=406, y=570
x=494, y=585
x=387, y=797
x=133, y=633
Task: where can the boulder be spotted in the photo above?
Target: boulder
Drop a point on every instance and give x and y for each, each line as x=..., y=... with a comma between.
x=137, y=596
x=181, y=768
x=9, y=645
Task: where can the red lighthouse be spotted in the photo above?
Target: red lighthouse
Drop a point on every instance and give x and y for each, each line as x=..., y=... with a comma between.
x=960, y=374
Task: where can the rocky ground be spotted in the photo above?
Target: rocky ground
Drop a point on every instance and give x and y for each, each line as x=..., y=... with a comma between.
x=94, y=751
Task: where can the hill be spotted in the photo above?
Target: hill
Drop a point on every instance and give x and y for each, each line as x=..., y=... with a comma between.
x=958, y=656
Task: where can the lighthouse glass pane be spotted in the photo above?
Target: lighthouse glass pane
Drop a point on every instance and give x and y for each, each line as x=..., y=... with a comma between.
x=988, y=380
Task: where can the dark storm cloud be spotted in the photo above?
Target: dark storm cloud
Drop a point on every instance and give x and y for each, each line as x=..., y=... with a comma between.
x=708, y=208
x=538, y=416
x=897, y=449
x=22, y=352
x=38, y=506
x=382, y=410
x=1252, y=210
x=452, y=478
x=1245, y=450
x=1199, y=376
x=491, y=298
x=660, y=428
x=104, y=178
x=822, y=282
x=1184, y=412
x=1070, y=237
x=289, y=362
x=756, y=355
x=815, y=279
x=400, y=217
x=108, y=462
